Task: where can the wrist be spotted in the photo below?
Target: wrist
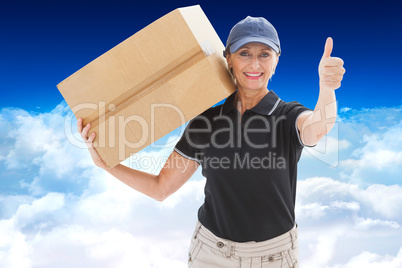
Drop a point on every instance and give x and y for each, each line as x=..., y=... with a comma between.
x=327, y=93
x=102, y=166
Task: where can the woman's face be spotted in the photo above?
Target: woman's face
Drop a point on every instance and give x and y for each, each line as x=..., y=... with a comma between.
x=253, y=64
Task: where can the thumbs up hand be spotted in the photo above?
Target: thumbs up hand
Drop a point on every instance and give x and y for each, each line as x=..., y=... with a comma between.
x=330, y=69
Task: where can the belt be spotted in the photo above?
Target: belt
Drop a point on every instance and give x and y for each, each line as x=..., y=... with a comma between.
x=277, y=244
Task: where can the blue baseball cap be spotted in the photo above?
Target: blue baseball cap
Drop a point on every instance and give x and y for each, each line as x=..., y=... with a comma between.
x=252, y=30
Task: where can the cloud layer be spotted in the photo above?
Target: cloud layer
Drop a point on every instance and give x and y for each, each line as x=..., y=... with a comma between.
x=58, y=210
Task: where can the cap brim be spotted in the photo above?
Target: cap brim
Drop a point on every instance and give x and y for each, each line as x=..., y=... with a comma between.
x=238, y=44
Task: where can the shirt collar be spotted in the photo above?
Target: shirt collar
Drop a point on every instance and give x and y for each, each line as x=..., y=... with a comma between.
x=266, y=106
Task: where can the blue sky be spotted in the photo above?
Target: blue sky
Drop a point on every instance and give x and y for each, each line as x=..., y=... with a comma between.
x=43, y=43
x=58, y=210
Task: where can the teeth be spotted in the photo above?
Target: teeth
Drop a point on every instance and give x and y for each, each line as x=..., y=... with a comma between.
x=248, y=74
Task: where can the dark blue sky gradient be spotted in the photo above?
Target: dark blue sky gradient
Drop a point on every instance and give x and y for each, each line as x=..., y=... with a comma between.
x=42, y=43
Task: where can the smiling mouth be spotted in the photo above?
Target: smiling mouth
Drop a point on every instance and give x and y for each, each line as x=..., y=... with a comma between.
x=253, y=74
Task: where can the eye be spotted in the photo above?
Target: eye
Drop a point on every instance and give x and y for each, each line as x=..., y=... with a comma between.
x=265, y=55
x=244, y=53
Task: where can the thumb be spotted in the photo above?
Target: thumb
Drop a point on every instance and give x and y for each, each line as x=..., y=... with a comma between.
x=328, y=48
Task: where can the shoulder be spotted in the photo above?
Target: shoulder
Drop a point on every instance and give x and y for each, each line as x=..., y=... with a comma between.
x=289, y=113
x=212, y=112
x=285, y=108
x=205, y=117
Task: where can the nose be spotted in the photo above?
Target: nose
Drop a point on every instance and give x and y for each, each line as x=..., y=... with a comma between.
x=255, y=63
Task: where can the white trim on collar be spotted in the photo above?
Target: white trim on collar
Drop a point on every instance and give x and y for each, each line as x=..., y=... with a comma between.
x=276, y=105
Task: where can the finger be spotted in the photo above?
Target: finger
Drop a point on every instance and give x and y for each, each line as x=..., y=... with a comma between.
x=79, y=125
x=84, y=133
x=89, y=142
x=90, y=139
x=328, y=48
x=332, y=78
x=330, y=70
x=332, y=62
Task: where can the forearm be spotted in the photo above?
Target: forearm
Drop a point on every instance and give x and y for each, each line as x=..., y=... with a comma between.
x=325, y=112
x=143, y=182
x=321, y=120
x=176, y=171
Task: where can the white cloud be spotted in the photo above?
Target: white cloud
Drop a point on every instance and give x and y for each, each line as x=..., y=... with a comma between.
x=109, y=225
x=193, y=189
x=46, y=130
x=380, y=151
x=311, y=210
x=37, y=144
x=338, y=221
x=39, y=209
x=13, y=248
x=384, y=200
x=345, y=109
x=72, y=214
x=327, y=150
x=329, y=194
x=372, y=260
x=88, y=248
x=353, y=206
x=99, y=226
x=318, y=248
x=366, y=224
x=364, y=147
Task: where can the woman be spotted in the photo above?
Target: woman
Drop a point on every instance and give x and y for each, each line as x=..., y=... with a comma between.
x=248, y=148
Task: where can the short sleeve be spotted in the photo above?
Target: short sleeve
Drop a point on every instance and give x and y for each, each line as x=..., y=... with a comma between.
x=188, y=143
x=293, y=111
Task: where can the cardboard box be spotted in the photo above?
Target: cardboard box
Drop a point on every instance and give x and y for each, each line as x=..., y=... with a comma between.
x=150, y=84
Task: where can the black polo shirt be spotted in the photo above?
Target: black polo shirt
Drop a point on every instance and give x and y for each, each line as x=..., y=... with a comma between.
x=250, y=163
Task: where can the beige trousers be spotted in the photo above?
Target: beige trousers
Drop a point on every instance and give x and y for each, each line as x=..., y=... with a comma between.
x=210, y=251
